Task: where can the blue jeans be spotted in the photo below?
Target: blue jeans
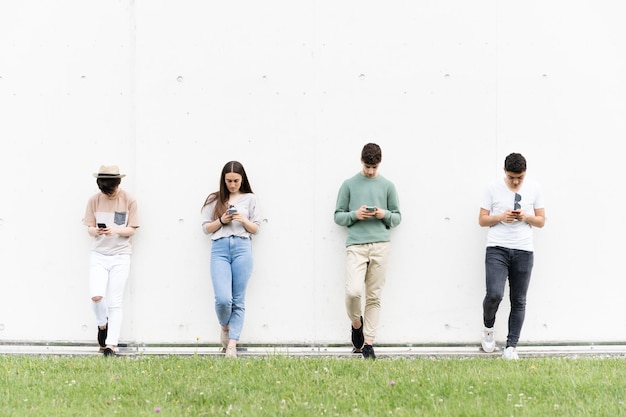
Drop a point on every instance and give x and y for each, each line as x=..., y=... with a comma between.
x=231, y=267
x=516, y=265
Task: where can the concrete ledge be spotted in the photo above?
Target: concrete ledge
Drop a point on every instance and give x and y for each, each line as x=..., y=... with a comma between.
x=317, y=351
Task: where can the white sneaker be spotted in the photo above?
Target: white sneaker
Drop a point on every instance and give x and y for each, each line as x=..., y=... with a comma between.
x=488, y=342
x=231, y=352
x=510, y=354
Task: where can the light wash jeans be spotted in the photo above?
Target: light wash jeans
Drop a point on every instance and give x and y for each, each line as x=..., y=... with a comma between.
x=516, y=265
x=231, y=267
x=107, y=278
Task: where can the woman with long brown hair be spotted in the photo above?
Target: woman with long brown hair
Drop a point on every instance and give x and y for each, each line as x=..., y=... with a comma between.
x=231, y=216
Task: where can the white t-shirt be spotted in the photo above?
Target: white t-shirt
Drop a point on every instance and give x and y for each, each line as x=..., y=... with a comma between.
x=498, y=198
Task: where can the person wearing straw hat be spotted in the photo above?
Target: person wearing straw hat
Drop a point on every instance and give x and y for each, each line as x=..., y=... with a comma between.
x=111, y=219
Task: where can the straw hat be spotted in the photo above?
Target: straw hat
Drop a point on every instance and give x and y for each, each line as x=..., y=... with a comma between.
x=109, y=171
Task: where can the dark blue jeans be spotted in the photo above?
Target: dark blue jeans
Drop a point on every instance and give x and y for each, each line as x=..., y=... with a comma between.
x=516, y=265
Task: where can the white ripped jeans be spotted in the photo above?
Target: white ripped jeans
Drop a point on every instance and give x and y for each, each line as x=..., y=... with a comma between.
x=107, y=279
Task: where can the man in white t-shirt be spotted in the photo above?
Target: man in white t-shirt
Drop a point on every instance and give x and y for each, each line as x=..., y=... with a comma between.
x=511, y=208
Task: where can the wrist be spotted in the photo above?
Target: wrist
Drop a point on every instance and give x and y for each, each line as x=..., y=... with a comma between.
x=220, y=219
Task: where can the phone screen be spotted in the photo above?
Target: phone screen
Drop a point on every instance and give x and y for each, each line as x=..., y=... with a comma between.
x=102, y=226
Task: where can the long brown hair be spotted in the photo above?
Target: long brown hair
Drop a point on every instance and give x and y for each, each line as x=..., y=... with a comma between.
x=223, y=194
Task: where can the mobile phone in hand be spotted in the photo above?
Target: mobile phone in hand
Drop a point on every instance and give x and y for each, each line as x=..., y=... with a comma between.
x=232, y=210
x=102, y=226
x=370, y=208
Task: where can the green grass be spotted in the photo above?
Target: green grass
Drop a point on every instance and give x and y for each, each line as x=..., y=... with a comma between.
x=283, y=386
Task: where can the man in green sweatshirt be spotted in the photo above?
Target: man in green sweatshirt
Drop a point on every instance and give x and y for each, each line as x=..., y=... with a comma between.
x=367, y=204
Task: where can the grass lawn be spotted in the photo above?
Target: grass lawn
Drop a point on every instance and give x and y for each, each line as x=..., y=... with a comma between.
x=197, y=386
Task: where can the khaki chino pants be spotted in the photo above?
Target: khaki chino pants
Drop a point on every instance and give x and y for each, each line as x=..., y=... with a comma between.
x=366, y=268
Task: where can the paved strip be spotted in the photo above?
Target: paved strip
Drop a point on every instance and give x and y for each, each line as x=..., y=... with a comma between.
x=319, y=351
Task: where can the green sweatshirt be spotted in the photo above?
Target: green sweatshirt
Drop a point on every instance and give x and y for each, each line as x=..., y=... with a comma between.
x=361, y=190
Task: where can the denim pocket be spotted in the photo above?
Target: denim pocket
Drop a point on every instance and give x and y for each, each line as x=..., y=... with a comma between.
x=120, y=218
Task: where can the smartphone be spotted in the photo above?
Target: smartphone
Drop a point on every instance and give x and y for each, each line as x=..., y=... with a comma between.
x=232, y=210
x=102, y=226
x=370, y=208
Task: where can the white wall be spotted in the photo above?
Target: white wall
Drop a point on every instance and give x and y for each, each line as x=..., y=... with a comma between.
x=170, y=91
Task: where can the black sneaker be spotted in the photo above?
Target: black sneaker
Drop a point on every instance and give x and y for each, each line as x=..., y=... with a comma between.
x=109, y=352
x=368, y=352
x=102, y=336
x=357, y=338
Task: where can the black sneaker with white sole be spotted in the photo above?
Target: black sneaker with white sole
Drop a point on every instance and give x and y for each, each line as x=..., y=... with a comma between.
x=109, y=352
x=368, y=352
x=357, y=338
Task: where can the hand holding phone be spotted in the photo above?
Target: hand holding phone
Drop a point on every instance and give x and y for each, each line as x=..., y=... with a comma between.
x=102, y=229
x=370, y=208
x=232, y=210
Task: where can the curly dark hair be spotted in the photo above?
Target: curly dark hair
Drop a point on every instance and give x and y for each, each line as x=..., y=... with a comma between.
x=371, y=154
x=515, y=163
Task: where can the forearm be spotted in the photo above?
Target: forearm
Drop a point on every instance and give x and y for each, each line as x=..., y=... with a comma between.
x=127, y=231
x=488, y=220
x=213, y=226
x=345, y=218
x=535, y=221
x=250, y=227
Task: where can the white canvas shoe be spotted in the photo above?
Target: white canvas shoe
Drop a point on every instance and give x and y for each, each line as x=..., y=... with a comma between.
x=510, y=354
x=488, y=342
x=231, y=352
